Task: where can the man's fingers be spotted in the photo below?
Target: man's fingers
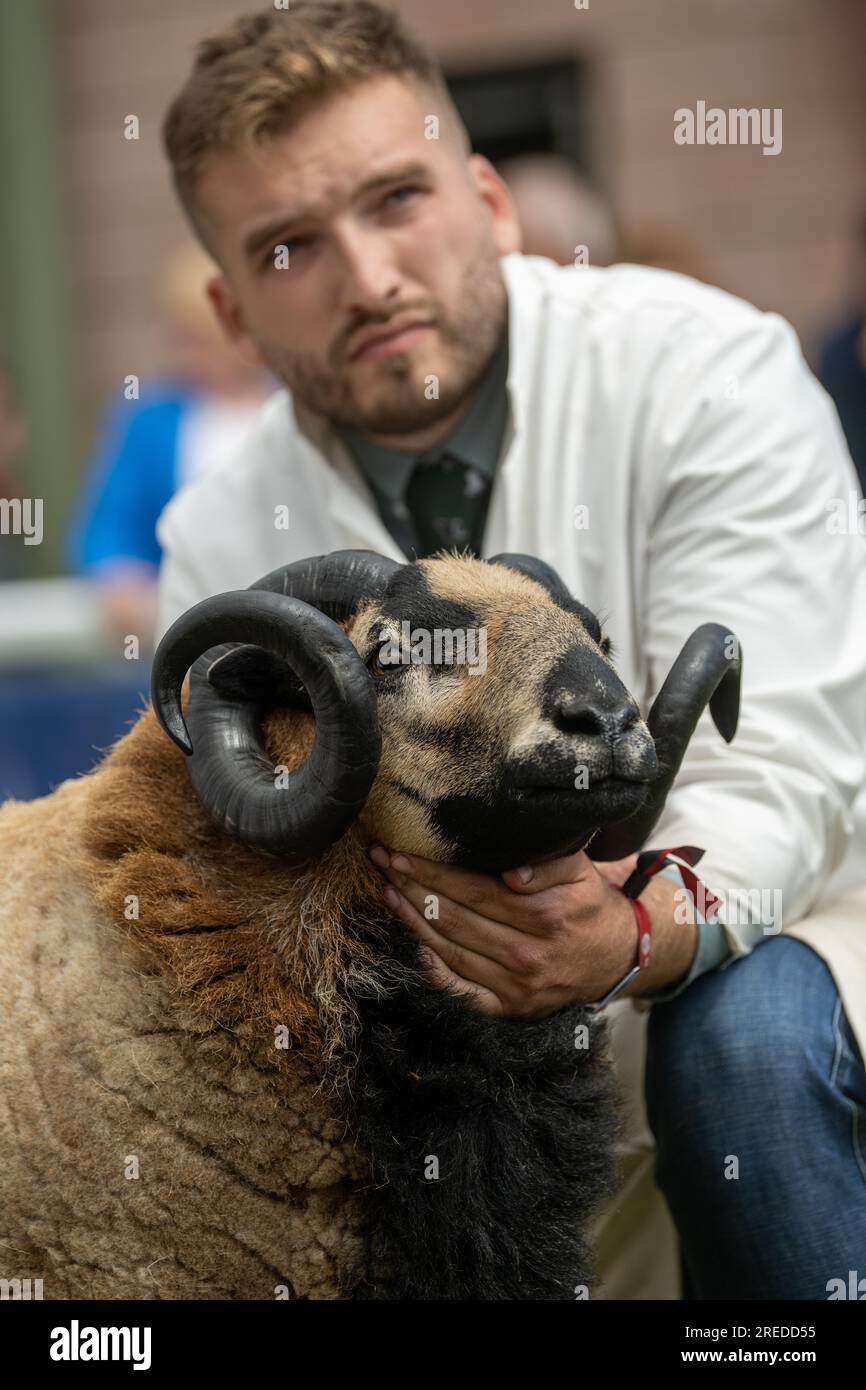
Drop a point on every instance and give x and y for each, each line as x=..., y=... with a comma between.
x=481, y=892
x=499, y=944
x=503, y=929
x=535, y=878
x=457, y=967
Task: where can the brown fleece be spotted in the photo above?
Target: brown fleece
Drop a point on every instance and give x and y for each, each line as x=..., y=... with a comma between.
x=238, y=930
x=148, y=1044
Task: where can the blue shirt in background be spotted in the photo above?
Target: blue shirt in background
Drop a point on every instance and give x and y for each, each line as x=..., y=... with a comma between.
x=133, y=475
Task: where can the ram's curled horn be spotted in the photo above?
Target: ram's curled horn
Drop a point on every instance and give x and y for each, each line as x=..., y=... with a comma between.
x=336, y=584
x=707, y=671
x=295, y=813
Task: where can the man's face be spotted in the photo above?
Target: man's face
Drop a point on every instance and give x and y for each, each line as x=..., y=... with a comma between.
x=421, y=244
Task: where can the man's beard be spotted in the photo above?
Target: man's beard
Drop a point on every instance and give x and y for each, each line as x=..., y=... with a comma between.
x=391, y=396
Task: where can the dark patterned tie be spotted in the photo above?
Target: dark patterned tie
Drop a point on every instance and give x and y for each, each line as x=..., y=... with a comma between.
x=447, y=501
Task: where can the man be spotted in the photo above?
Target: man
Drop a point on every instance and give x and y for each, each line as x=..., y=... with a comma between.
x=665, y=448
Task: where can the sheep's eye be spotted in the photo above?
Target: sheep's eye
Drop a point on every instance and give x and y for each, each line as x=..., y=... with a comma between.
x=385, y=660
x=606, y=646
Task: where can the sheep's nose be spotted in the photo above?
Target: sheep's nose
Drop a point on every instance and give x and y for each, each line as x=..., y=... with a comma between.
x=579, y=714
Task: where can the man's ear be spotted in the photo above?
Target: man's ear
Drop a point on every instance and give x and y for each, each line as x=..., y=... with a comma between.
x=228, y=311
x=496, y=195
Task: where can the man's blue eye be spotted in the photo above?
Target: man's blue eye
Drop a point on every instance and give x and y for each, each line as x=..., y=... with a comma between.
x=292, y=245
x=407, y=188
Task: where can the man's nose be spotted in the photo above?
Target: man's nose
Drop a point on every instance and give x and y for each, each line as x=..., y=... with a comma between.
x=371, y=278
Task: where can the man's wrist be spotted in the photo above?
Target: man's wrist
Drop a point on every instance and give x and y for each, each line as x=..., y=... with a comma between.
x=675, y=942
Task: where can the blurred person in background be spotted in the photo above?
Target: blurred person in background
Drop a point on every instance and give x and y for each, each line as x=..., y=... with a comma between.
x=665, y=249
x=558, y=210
x=178, y=428
x=13, y=435
x=842, y=364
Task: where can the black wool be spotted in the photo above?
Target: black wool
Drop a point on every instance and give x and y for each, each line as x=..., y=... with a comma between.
x=491, y=1142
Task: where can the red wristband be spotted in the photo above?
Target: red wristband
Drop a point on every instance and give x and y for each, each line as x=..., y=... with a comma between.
x=644, y=951
x=644, y=934
x=648, y=864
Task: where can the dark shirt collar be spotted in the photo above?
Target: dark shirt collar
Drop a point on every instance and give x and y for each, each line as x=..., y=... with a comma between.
x=476, y=440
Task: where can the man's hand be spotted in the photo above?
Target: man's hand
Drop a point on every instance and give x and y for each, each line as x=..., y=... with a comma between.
x=528, y=946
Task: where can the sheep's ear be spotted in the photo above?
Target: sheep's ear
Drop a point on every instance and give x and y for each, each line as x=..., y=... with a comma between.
x=251, y=673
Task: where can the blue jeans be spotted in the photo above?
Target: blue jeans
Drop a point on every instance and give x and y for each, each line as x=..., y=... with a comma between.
x=756, y=1095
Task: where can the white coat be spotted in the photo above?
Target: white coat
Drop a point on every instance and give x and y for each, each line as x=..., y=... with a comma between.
x=671, y=455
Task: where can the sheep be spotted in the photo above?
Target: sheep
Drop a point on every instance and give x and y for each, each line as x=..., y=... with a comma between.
x=226, y=1073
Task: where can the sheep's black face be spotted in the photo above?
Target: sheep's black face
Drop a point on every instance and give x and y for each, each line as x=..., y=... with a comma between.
x=507, y=736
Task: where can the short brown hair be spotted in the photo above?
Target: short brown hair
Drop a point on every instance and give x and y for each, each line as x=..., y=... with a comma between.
x=254, y=79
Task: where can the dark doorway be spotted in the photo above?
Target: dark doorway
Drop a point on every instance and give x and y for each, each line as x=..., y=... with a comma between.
x=524, y=110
